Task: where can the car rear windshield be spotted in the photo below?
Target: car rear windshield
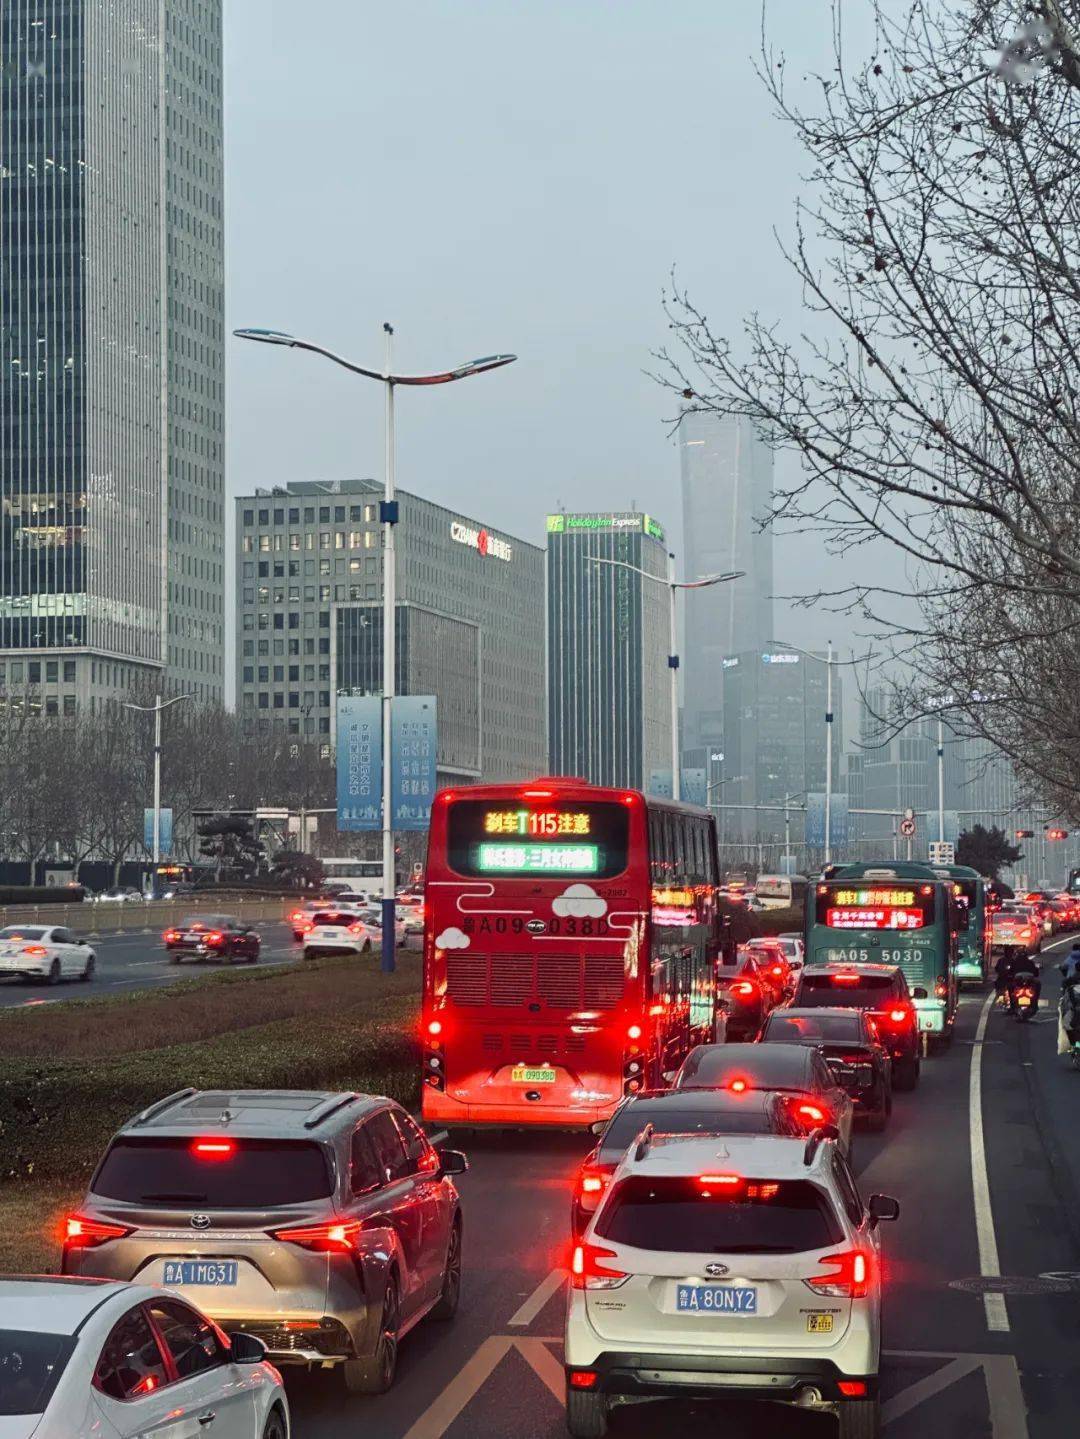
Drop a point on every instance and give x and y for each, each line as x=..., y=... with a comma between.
x=257, y=1174
x=714, y=1066
x=30, y=1368
x=21, y=931
x=736, y=1119
x=205, y=921
x=688, y=1216
x=825, y=989
x=803, y=1028
x=334, y=917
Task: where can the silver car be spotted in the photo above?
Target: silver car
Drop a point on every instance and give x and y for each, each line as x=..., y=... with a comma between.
x=324, y=1224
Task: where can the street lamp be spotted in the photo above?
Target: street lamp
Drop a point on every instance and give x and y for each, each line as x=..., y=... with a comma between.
x=388, y=517
x=155, y=709
x=673, y=659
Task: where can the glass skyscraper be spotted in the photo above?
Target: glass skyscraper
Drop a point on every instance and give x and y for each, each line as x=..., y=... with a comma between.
x=111, y=349
x=727, y=481
x=609, y=713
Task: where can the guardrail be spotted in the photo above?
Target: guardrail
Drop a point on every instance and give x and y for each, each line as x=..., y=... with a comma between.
x=141, y=916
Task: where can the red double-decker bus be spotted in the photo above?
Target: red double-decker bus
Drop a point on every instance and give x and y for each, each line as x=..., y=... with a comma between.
x=571, y=934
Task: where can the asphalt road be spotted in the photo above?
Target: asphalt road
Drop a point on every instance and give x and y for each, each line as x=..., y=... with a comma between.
x=1004, y=1367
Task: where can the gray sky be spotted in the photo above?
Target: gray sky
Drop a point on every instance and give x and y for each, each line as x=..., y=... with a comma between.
x=492, y=175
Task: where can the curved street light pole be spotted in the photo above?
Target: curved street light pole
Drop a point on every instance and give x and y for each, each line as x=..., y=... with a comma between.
x=388, y=516
x=155, y=709
x=673, y=658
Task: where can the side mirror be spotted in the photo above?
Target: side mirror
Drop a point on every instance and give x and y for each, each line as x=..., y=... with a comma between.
x=883, y=1207
x=919, y=993
x=452, y=1161
x=668, y=1076
x=246, y=1349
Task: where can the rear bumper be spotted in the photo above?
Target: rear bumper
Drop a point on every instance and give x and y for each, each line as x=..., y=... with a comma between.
x=774, y=1377
x=438, y=1108
x=329, y=1343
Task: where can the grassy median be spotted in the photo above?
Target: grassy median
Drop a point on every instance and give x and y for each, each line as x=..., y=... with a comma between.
x=71, y=1073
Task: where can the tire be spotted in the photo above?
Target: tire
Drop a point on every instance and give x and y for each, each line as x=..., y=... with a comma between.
x=859, y=1419
x=906, y=1073
x=174, y=958
x=374, y=1374
x=586, y=1414
x=274, y=1428
x=55, y=974
x=88, y=973
x=450, y=1293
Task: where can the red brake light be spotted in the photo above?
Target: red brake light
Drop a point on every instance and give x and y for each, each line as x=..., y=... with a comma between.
x=215, y=1149
x=336, y=1237
x=214, y=936
x=737, y=1086
x=743, y=988
x=812, y=1113
x=434, y=1026
x=634, y=1032
x=585, y=1265
x=171, y=936
x=721, y=1181
x=83, y=1233
x=845, y=979
x=537, y=793
x=851, y=1388
x=851, y=1279
x=582, y=1378
x=297, y=914
x=37, y=950
x=898, y=1015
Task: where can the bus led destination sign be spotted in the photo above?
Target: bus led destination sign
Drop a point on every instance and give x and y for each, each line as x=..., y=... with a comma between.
x=543, y=823
x=538, y=858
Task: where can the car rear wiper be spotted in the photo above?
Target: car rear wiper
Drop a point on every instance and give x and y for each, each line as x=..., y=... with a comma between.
x=163, y=1198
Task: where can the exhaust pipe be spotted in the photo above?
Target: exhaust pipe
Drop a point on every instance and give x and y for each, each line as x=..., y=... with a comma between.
x=808, y=1397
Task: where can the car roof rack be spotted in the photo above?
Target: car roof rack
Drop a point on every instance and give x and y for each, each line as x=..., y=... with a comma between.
x=329, y=1107
x=162, y=1104
x=641, y=1145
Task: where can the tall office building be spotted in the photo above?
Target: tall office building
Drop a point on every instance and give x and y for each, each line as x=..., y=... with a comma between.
x=111, y=349
x=727, y=478
x=609, y=712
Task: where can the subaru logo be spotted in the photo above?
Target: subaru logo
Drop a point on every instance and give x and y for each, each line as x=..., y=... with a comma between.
x=202, y=1221
x=716, y=1270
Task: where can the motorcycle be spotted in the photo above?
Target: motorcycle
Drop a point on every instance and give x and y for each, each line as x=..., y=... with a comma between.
x=1069, y=1023
x=1024, y=1000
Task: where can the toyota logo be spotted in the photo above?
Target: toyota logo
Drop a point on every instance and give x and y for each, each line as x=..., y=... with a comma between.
x=714, y=1269
x=202, y=1221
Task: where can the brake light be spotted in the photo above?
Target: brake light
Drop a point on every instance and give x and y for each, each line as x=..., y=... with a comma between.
x=851, y=1279
x=37, y=950
x=898, y=1016
x=582, y=1378
x=941, y=989
x=592, y=1183
x=852, y=1388
x=845, y=979
x=777, y=971
x=812, y=1113
x=297, y=914
x=171, y=936
x=356, y=928
x=213, y=1149
x=214, y=936
x=738, y=1086
x=336, y=1237
x=742, y=988
x=83, y=1233
x=588, y=1272
x=634, y=1031
x=537, y=793
x=721, y=1181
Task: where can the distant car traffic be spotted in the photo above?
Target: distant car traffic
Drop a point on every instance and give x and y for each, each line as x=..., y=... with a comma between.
x=79, y=1357
x=798, y=1072
x=851, y=1044
x=122, y=894
x=213, y=936
x=372, y=917
x=338, y=931
x=49, y=952
x=745, y=994
x=752, y=1273
x=324, y=1224
x=299, y=917
x=882, y=991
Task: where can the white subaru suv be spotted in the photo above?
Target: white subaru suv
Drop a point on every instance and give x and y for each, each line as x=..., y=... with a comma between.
x=740, y=1265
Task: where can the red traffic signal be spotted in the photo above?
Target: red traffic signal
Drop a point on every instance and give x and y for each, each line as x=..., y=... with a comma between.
x=1025, y=834
x=1057, y=834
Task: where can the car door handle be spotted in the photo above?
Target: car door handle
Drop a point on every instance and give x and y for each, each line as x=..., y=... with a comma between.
x=208, y=1418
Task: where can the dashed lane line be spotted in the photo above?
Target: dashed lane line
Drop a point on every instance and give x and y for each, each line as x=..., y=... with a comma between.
x=997, y=1316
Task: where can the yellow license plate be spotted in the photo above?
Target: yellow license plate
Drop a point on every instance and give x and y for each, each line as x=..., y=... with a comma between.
x=522, y=1074
x=819, y=1323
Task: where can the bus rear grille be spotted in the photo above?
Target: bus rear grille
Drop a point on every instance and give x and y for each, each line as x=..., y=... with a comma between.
x=511, y=979
x=554, y=981
x=466, y=978
x=604, y=980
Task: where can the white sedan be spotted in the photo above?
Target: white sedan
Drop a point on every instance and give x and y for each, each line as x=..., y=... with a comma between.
x=49, y=952
x=86, y=1359
x=338, y=931
x=373, y=919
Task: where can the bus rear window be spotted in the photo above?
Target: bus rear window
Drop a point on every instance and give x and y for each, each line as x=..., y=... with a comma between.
x=510, y=837
x=870, y=991
x=859, y=905
x=690, y=1216
x=256, y=1174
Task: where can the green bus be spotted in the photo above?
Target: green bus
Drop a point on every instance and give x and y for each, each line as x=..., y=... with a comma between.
x=891, y=912
x=973, y=949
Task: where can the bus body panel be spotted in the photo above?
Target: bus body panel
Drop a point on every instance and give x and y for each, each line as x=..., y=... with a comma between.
x=547, y=998
x=973, y=939
x=927, y=954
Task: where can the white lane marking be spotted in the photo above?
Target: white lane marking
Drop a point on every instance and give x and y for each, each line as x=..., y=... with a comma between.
x=1001, y=1374
x=997, y=1317
x=545, y=1290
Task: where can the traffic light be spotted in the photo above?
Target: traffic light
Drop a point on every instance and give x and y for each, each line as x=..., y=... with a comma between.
x=1025, y=834
x=1057, y=834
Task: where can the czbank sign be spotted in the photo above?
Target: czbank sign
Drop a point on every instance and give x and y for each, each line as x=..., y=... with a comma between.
x=480, y=539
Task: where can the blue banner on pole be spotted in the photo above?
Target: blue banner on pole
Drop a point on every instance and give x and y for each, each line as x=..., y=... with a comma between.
x=165, y=830
x=413, y=742
x=693, y=786
x=359, y=762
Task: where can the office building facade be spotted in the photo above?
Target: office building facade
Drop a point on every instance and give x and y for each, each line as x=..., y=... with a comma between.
x=111, y=349
x=609, y=716
x=470, y=622
x=727, y=481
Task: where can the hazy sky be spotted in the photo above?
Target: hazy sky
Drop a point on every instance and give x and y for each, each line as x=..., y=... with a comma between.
x=499, y=175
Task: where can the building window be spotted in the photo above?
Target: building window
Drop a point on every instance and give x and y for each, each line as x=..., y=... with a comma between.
x=369, y=539
x=69, y=672
x=309, y=514
x=249, y=517
x=324, y=724
x=324, y=539
x=369, y=513
x=295, y=542
x=279, y=517
x=264, y=700
x=279, y=674
x=247, y=544
x=33, y=672
x=264, y=674
x=52, y=705
x=339, y=514
x=249, y=674
x=356, y=512
x=69, y=704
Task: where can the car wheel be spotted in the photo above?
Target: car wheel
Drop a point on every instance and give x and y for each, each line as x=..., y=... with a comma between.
x=54, y=972
x=375, y=1373
x=174, y=957
x=586, y=1414
x=88, y=973
x=859, y=1419
x=274, y=1428
x=905, y=1073
x=253, y=957
x=450, y=1294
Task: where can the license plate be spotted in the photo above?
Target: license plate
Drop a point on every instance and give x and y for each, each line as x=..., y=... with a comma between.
x=819, y=1324
x=715, y=1299
x=200, y=1271
x=522, y=1074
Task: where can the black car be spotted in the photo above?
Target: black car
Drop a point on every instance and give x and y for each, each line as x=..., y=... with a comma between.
x=672, y=1111
x=853, y=1050
x=746, y=994
x=882, y=991
x=213, y=936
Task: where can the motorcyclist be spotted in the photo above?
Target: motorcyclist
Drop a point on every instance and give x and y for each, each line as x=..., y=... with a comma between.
x=1070, y=992
x=1070, y=965
x=1014, y=965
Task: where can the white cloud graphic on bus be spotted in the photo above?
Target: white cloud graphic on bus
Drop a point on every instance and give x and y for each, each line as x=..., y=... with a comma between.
x=452, y=938
x=579, y=901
